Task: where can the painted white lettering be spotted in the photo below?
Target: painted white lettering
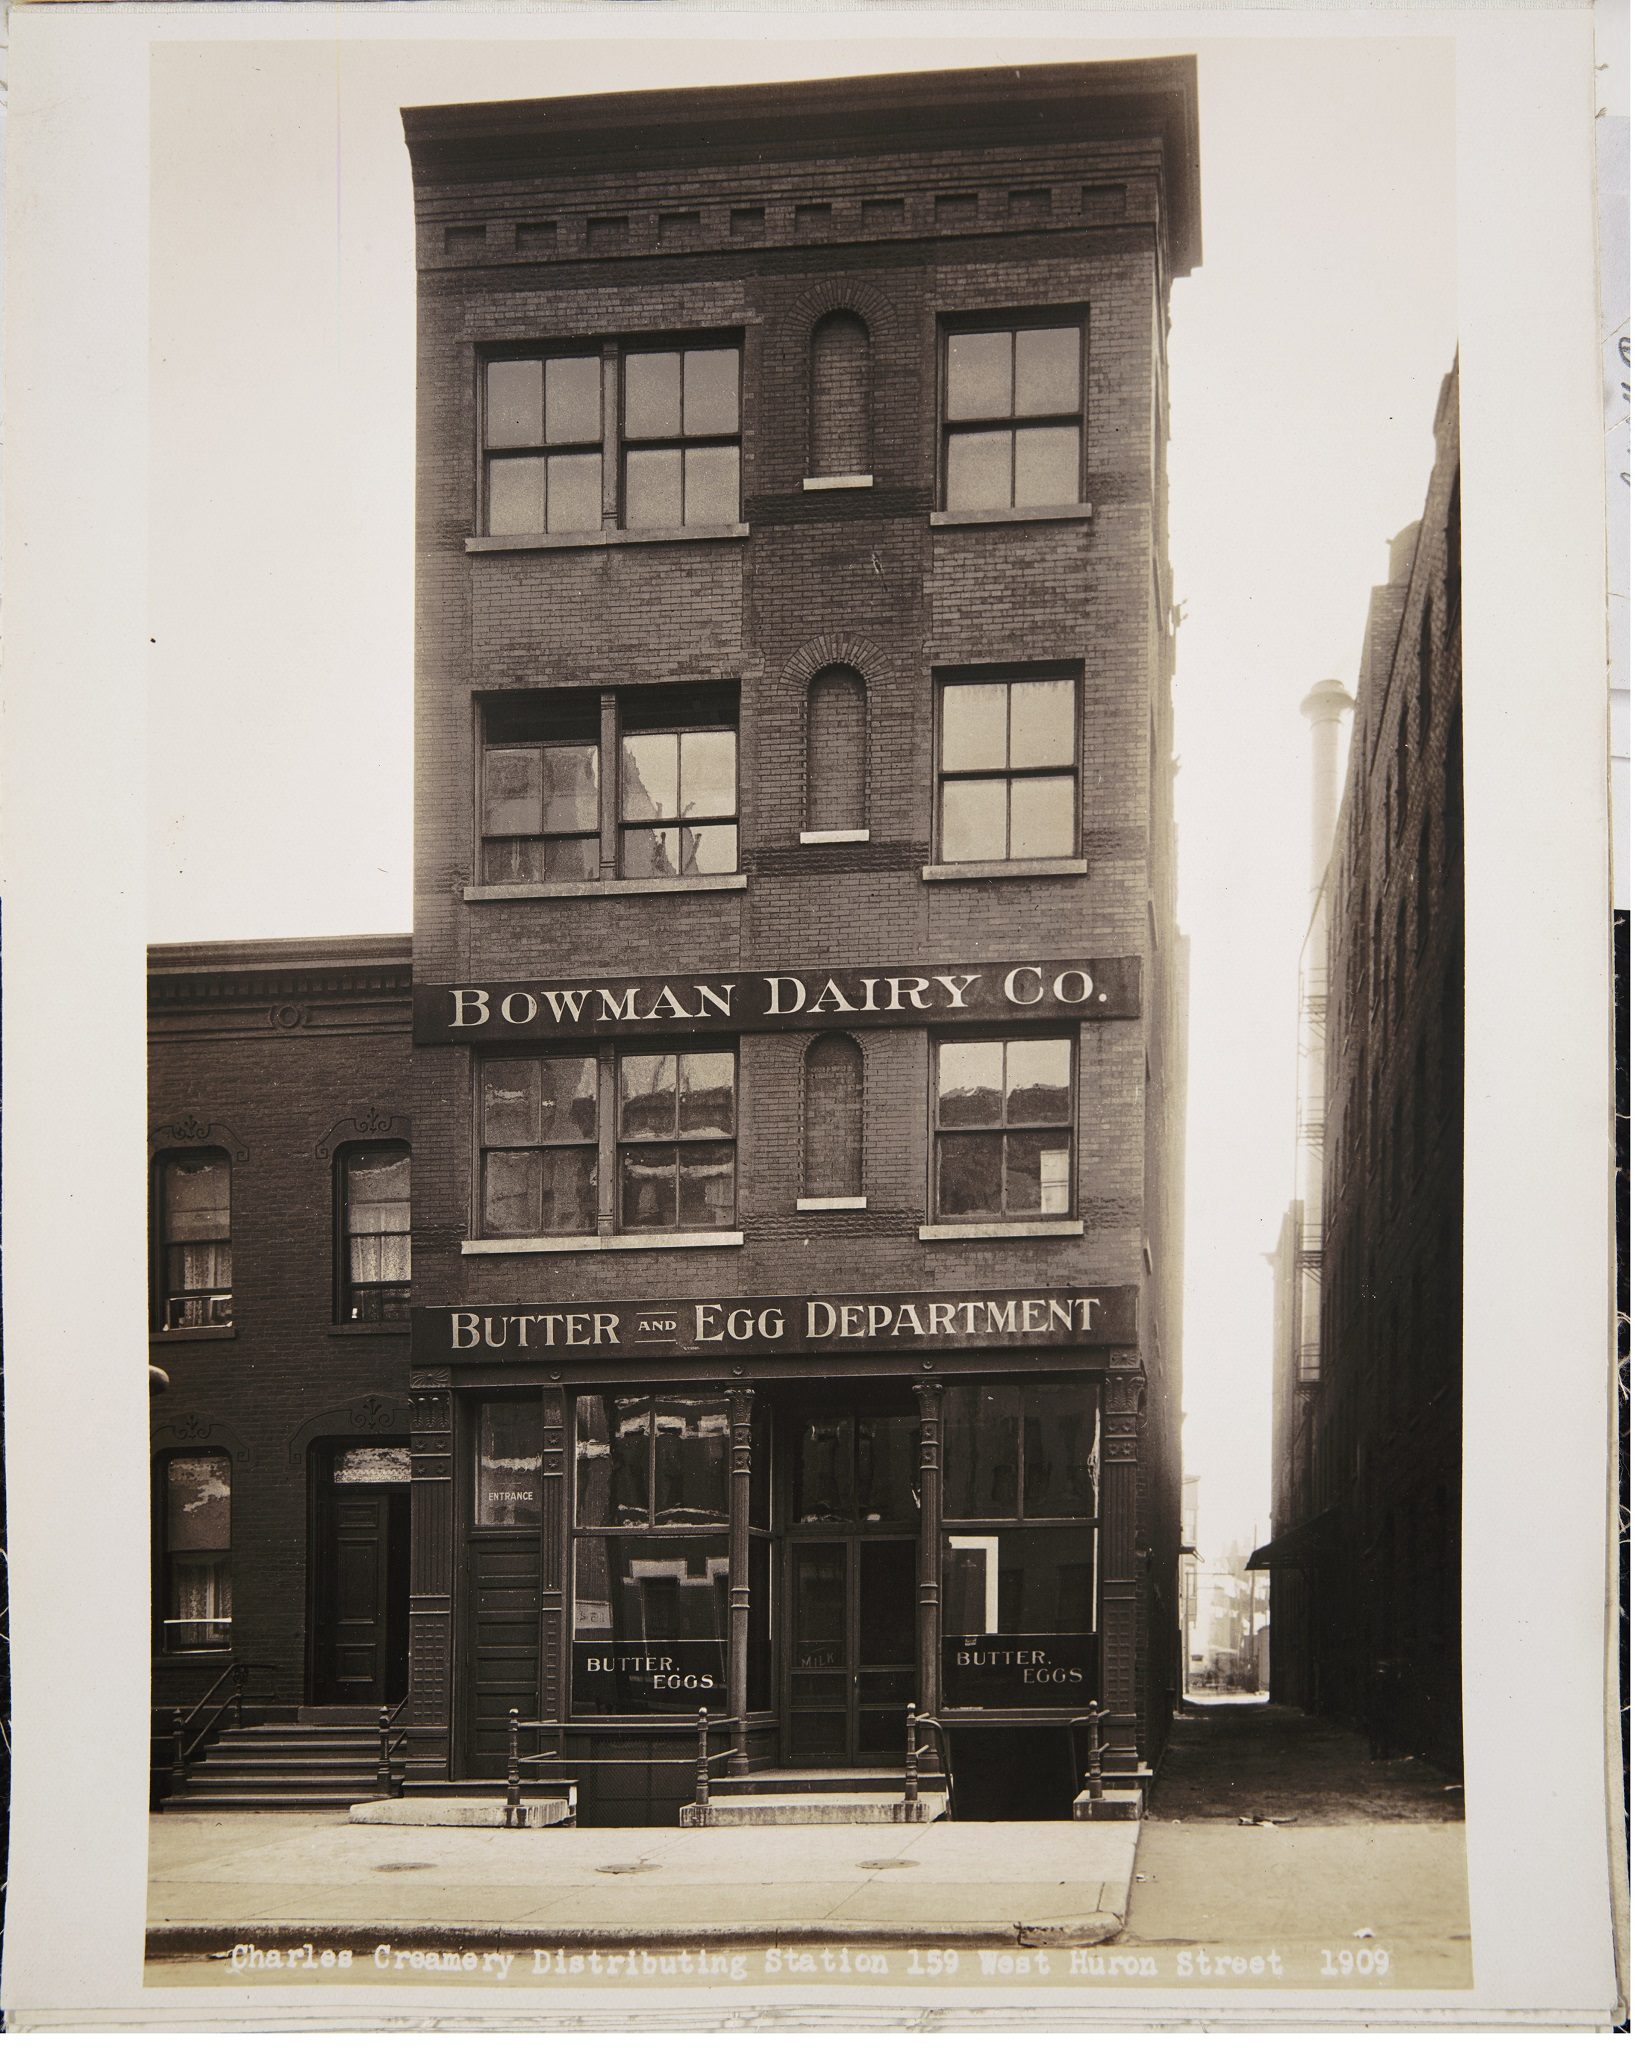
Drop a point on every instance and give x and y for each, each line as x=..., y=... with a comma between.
x=771, y=1324
x=908, y=1323
x=605, y=1329
x=705, y=1322
x=822, y=1319
x=1065, y=993
x=1013, y=989
x=968, y=1310
x=574, y=1327
x=941, y=1319
x=853, y=1319
x=1085, y=1304
x=1035, y=1316
x=721, y=999
x=465, y=999
x=565, y=1002
x=463, y=1330
x=914, y=988
x=1002, y=1315
x=869, y=984
x=829, y=999
x=510, y=1007
x=799, y=1000
x=675, y=1011
x=1059, y=1315
x=958, y=984
x=495, y=1332
x=619, y=1008
x=877, y=1318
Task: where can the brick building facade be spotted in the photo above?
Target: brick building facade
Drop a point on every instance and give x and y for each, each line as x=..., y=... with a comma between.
x=797, y=1083
x=1366, y=1555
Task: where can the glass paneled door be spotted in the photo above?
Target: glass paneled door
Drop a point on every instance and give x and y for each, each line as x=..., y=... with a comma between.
x=850, y=1637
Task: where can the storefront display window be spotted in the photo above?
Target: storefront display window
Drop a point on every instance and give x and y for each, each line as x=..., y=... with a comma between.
x=507, y=1475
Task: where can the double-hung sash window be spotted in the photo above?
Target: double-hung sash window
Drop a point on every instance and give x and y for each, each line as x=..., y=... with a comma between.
x=639, y=435
x=375, y=1208
x=656, y=1128
x=195, y=1252
x=669, y=756
x=198, y=1569
x=1007, y=769
x=1003, y=1119
x=1013, y=416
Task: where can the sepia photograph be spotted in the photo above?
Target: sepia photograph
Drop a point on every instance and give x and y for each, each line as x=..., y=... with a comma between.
x=801, y=943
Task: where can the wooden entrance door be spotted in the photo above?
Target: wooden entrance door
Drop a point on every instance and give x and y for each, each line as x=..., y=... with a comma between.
x=361, y=1594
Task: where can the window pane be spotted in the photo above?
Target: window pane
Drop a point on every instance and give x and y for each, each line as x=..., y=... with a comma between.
x=1048, y=467
x=981, y=1440
x=653, y=392
x=511, y=1094
x=711, y=391
x=378, y=1188
x=705, y=1187
x=706, y=1094
x=512, y=791
x=690, y=1461
x=198, y=1502
x=629, y=1425
x=592, y=1464
x=708, y=850
x=970, y=1083
x=1043, y=817
x=517, y=495
x=514, y=860
x=194, y=1267
x=668, y=1592
x=1046, y=1581
x=645, y=854
x=507, y=1488
x=569, y=1190
x=1058, y=1441
x=648, y=775
x=973, y=820
x=1049, y=370
x=569, y=778
x=574, y=399
x=564, y=860
x=713, y=487
x=707, y=775
x=569, y=1098
x=510, y=1200
x=378, y=1261
x=1038, y=1173
x=196, y=1198
x=978, y=472
x=574, y=493
x=979, y=376
x=1038, y=1081
x=970, y=1175
x=648, y=1095
x=1043, y=716
x=512, y=405
x=648, y=1187
x=822, y=1487
x=974, y=726
x=654, y=487
x=887, y=1455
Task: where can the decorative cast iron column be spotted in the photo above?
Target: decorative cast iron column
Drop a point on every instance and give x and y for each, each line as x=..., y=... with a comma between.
x=553, y=1689
x=1118, y=1573
x=929, y=1403
x=739, y=1566
x=428, y=1752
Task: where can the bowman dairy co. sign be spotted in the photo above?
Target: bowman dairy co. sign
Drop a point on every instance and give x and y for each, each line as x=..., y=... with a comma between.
x=967, y=1319
x=801, y=999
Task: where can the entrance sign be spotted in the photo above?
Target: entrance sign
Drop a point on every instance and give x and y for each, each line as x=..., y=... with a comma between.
x=1017, y=1670
x=801, y=999
x=978, y=1319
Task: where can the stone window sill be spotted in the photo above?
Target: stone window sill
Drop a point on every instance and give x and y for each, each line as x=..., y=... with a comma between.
x=1001, y=870
x=838, y=483
x=1032, y=1226
x=626, y=1241
x=854, y=835
x=217, y=1336
x=1013, y=515
x=806, y=1203
x=653, y=885
x=605, y=537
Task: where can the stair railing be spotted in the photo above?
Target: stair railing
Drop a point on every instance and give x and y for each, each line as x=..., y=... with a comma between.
x=1096, y=1747
x=916, y=1751
x=653, y=1726
x=192, y=1727
x=387, y=1787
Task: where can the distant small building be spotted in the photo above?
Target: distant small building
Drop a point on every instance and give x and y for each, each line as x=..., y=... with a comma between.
x=1365, y=1558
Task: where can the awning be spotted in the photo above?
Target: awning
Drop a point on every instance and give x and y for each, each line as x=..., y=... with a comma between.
x=1293, y=1548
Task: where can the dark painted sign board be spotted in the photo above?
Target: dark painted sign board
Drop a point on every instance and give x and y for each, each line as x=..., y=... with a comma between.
x=971, y=1319
x=1018, y=1670
x=488, y=1012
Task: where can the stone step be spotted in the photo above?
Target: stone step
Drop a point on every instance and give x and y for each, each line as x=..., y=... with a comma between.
x=489, y=1812
x=884, y=1784
x=819, y=1809
x=270, y=1802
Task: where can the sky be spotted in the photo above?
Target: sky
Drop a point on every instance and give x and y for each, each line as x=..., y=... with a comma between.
x=1305, y=361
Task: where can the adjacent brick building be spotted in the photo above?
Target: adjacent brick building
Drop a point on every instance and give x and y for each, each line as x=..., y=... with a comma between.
x=1366, y=1555
x=797, y=1086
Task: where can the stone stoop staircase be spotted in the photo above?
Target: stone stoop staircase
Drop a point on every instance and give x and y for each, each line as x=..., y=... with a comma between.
x=324, y=1759
x=794, y=1797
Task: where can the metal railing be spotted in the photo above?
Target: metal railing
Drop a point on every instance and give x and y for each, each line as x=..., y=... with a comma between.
x=1091, y=1720
x=189, y=1728
x=937, y=1749
x=386, y=1786
x=648, y=1725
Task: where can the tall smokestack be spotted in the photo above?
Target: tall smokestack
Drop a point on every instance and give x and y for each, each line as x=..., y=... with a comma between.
x=1324, y=708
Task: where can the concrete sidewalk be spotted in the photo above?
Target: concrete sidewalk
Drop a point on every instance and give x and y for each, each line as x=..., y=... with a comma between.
x=281, y=1880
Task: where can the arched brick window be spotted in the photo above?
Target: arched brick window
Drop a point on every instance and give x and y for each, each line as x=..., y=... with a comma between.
x=839, y=429
x=836, y=751
x=195, y=1584
x=833, y=1157
x=193, y=1240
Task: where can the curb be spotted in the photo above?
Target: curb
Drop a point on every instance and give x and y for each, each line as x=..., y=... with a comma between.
x=204, y=1938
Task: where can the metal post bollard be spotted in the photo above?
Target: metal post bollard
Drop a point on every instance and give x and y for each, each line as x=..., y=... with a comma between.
x=910, y=1753
x=514, y=1788
x=702, y=1759
x=1095, y=1752
x=384, y=1757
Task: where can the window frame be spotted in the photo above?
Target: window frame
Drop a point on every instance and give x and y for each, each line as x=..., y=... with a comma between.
x=608, y=1230
x=1028, y=672
x=1012, y=322
x=1068, y=1035
x=343, y=1305
x=164, y=1623
x=160, y=1244
x=611, y=353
